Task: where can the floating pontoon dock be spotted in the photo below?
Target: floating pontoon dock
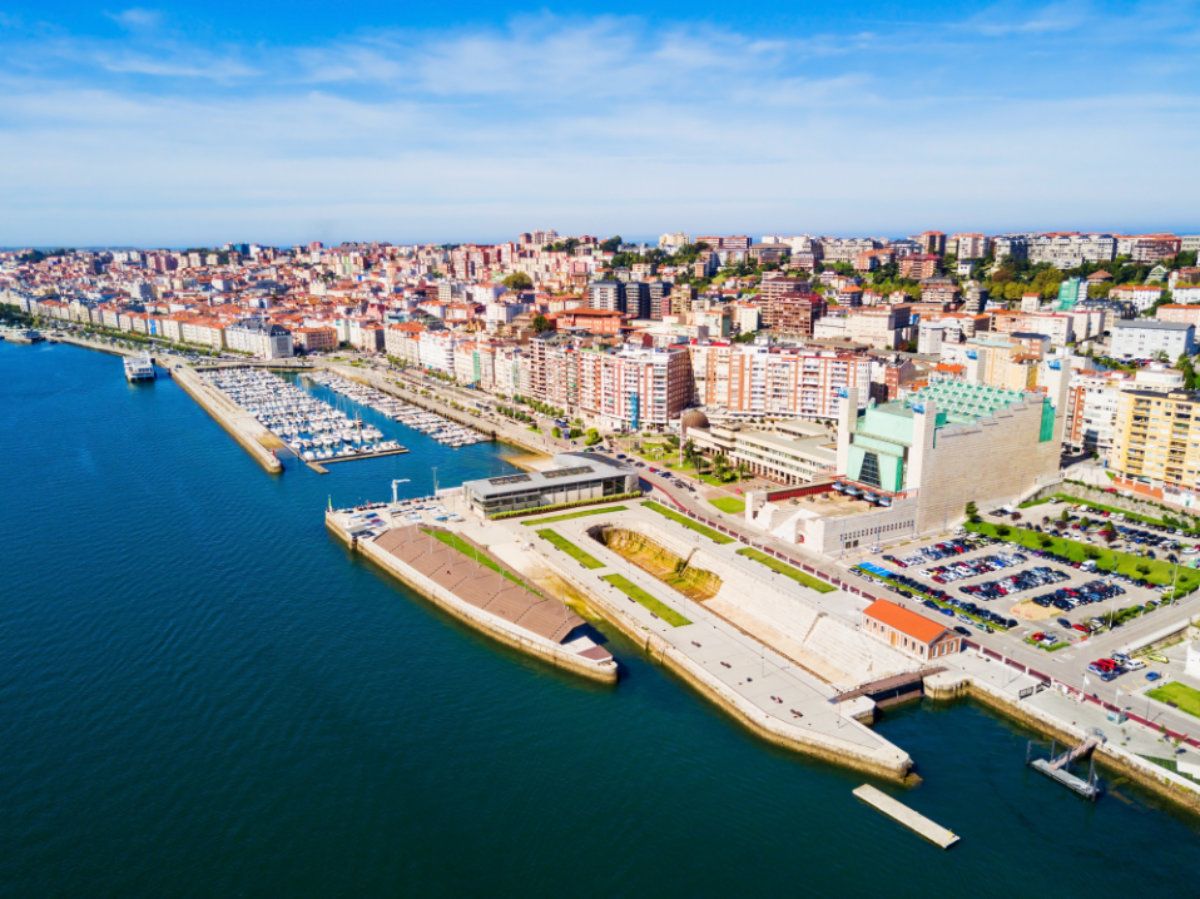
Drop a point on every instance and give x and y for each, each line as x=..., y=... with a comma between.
x=914, y=821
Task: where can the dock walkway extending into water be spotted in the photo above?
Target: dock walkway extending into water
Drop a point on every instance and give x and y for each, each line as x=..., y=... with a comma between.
x=914, y=821
x=1058, y=768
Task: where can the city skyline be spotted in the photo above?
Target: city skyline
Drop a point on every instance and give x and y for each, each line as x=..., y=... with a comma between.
x=165, y=126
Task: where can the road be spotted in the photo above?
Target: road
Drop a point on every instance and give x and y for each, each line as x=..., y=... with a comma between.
x=1067, y=666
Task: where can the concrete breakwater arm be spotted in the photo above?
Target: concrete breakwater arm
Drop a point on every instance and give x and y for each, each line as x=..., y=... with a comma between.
x=241, y=425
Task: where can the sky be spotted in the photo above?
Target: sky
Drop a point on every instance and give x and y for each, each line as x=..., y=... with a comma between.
x=180, y=123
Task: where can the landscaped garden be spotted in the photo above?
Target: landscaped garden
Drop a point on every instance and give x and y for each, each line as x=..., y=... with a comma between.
x=642, y=598
x=731, y=505
x=1154, y=571
x=787, y=570
x=560, y=542
x=1183, y=697
x=680, y=518
x=582, y=513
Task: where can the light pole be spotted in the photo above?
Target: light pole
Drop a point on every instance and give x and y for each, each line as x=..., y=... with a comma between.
x=396, y=483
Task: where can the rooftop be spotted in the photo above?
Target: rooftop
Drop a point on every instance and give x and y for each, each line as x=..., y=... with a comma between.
x=920, y=628
x=1151, y=324
x=570, y=468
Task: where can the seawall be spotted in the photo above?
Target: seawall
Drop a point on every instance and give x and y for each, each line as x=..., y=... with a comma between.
x=1153, y=778
x=236, y=421
x=478, y=619
x=749, y=716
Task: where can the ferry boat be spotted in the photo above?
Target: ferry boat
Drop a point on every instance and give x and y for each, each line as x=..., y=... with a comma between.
x=139, y=368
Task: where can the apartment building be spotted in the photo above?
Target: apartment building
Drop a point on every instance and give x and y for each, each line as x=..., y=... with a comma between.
x=880, y=327
x=1179, y=313
x=1141, y=338
x=1070, y=250
x=793, y=313
x=260, y=338
x=1158, y=439
x=633, y=388
x=920, y=266
x=1093, y=400
x=773, y=381
x=609, y=295
x=1140, y=296
x=968, y=245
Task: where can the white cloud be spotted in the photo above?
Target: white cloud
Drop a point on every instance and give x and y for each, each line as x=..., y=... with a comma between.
x=596, y=125
x=137, y=19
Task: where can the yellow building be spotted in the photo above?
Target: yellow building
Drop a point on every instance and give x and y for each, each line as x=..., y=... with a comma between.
x=1157, y=438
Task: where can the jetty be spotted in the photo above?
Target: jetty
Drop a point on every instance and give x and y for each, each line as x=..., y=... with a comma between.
x=900, y=812
x=259, y=442
x=1058, y=767
x=408, y=541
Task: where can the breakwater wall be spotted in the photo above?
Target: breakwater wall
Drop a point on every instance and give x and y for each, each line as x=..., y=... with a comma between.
x=478, y=619
x=239, y=423
x=794, y=738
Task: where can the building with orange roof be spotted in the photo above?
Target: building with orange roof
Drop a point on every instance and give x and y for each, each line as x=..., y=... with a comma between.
x=908, y=631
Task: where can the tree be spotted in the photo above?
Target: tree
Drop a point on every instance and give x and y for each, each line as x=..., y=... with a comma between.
x=555, y=432
x=541, y=324
x=612, y=244
x=972, y=512
x=592, y=438
x=518, y=281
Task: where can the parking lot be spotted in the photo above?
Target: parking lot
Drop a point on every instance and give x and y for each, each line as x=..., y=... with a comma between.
x=1088, y=525
x=1033, y=594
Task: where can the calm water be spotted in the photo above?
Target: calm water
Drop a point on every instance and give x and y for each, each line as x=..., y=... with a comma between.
x=202, y=693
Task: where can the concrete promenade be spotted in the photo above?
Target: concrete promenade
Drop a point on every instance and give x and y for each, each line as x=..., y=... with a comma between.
x=241, y=425
x=765, y=690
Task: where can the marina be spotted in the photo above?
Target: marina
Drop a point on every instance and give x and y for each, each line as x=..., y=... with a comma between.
x=312, y=429
x=441, y=429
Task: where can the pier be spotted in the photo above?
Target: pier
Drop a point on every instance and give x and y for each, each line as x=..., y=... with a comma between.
x=241, y=425
x=1057, y=767
x=901, y=813
x=465, y=581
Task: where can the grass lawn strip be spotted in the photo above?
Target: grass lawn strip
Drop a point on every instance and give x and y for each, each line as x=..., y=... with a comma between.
x=1159, y=572
x=1183, y=697
x=1053, y=647
x=562, y=543
x=786, y=570
x=1171, y=765
x=921, y=594
x=729, y=504
x=582, y=513
x=642, y=598
x=454, y=541
x=680, y=518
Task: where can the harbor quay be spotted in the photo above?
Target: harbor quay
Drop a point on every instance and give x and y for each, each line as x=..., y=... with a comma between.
x=714, y=649
x=460, y=578
x=250, y=434
x=790, y=662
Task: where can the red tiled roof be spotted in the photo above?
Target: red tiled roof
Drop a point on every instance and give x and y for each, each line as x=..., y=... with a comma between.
x=920, y=628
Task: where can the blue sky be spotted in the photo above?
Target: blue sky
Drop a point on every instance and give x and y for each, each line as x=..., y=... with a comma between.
x=200, y=123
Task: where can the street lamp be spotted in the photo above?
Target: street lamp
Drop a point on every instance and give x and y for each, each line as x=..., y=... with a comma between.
x=396, y=483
